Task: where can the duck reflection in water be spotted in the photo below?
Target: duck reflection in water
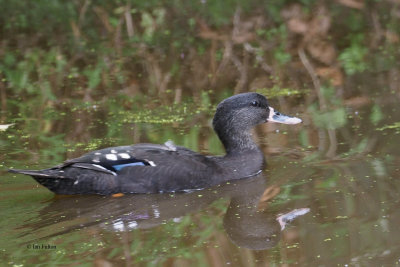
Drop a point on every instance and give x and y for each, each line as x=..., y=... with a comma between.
x=246, y=222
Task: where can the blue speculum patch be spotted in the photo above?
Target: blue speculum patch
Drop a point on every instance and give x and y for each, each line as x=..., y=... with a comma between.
x=121, y=166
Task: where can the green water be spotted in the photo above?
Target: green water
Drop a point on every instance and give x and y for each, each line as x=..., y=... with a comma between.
x=352, y=195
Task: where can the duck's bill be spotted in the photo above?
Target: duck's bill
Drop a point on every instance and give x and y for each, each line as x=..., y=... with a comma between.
x=275, y=116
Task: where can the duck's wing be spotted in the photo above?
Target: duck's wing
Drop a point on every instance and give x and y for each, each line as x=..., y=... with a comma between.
x=114, y=159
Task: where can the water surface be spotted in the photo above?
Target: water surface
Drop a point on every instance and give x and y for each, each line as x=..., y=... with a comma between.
x=352, y=193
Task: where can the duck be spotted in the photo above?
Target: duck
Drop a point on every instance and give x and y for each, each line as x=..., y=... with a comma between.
x=164, y=168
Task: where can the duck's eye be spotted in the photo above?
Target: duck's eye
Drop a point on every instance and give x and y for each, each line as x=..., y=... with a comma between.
x=255, y=104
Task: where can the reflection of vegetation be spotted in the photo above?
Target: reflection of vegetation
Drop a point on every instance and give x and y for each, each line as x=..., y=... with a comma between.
x=395, y=126
x=85, y=49
x=330, y=119
x=277, y=91
x=182, y=239
x=339, y=193
x=163, y=114
x=376, y=115
x=329, y=116
x=353, y=57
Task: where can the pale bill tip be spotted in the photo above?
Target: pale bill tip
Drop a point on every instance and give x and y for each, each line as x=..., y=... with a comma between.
x=277, y=117
x=293, y=120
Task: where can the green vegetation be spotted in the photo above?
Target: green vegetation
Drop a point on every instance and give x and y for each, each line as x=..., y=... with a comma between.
x=85, y=50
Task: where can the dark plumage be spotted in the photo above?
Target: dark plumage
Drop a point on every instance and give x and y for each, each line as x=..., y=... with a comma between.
x=151, y=168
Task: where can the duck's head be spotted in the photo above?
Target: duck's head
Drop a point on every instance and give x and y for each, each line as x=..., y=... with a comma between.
x=246, y=110
x=240, y=113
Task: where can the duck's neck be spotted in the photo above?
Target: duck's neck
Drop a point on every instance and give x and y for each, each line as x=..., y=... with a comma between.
x=243, y=157
x=238, y=142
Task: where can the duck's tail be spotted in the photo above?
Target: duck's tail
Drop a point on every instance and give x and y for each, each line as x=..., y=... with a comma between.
x=52, y=179
x=72, y=180
x=34, y=173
